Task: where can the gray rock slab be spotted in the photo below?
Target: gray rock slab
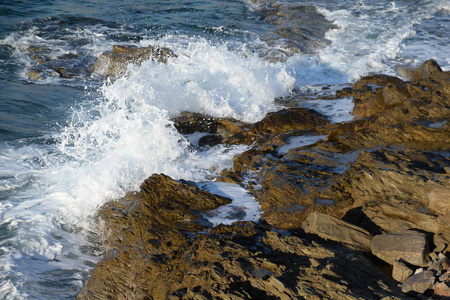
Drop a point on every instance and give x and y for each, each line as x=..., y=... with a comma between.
x=409, y=245
x=419, y=283
x=334, y=229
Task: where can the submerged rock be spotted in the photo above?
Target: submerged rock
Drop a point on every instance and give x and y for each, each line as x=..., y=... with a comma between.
x=289, y=35
x=49, y=64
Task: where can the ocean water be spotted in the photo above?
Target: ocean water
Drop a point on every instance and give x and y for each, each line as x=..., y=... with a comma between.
x=68, y=145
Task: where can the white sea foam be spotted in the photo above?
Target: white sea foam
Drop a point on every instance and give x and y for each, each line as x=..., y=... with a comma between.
x=114, y=142
x=372, y=38
x=209, y=79
x=243, y=206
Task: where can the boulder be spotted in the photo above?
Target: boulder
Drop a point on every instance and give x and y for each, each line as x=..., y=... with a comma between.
x=419, y=283
x=410, y=246
x=115, y=63
x=334, y=229
x=442, y=289
x=427, y=69
x=400, y=271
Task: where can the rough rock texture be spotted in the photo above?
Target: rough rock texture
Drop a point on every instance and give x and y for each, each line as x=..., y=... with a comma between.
x=410, y=246
x=115, y=63
x=48, y=64
x=419, y=283
x=153, y=252
x=383, y=173
x=335, y=229
x=400, y=271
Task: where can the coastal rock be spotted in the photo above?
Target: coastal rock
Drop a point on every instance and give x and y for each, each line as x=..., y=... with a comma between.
x=287, y=120
x=151, y=256
x=427, y=69
x=378, y=175
x=412, y=112
x=419, y=283
x=400, y=271
x=190, y=122
x=442, y=289
x=115, y=63
x=410, y=246
x=439, y=201
x=337, y=230
x=393, y=186
x=364, y=93
x=61, y=68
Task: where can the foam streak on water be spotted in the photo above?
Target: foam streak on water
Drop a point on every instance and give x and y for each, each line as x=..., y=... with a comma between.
x=371, y=37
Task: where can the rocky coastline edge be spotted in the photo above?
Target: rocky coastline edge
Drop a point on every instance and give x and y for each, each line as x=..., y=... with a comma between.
x=376, y=229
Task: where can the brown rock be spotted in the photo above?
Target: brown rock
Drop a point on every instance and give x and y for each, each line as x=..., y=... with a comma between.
x=427, y=69
x=442, y=289
x=440, y=200
x=410, y=246
x=114, y=63
x=419, y=283
x=392, y=187
x=337, y=230
x=364, y=93
x=190, y=122
x=401, y=271
x=288, y=120
x=391, y=95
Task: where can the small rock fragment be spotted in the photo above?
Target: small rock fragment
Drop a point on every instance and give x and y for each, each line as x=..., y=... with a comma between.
x=442, y=289
x=419, y=283
x=401, y=271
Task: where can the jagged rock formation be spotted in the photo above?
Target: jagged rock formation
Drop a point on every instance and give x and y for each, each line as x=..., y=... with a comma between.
x=372, y=195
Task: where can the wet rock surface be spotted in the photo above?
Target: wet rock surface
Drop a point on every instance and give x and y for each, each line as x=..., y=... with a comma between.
x=372, y=194
x=47, y=64
x=114, y=63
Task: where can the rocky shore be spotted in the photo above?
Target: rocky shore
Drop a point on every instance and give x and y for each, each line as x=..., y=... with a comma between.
x=361, y=214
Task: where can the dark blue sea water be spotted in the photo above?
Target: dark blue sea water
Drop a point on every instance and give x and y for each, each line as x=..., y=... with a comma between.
x=68, y=145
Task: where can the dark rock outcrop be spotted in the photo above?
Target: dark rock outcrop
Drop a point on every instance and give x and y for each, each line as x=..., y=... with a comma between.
x=155, y=252
x=47, y=64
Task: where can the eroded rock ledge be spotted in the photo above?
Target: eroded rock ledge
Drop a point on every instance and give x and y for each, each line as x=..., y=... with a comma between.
x=374, y=195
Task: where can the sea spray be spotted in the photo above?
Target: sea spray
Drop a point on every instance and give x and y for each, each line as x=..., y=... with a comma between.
x=115, y=140
x=207, y=78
